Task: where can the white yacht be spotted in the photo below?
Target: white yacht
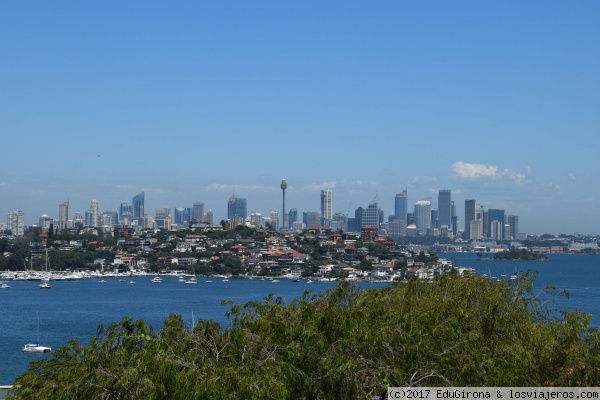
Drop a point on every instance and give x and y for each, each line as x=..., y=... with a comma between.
x=34, y=347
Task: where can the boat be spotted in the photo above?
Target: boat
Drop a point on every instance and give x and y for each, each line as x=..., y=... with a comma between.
x=208, y=281
x=102, y=281
x=4, y=286
x=225, y=280
x=191, y=282
x=35, y=347
x=131, y=282
x=157, y=279
x=46, y=284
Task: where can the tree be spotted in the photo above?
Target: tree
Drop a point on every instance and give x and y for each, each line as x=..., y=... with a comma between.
x=344, y=343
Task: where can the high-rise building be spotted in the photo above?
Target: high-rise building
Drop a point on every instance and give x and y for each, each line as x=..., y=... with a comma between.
x=444, y=208
x=179, y=216
x=358, y=213
x=283, y=187
x=138, y=208
x=274, y=219
x=469, y=216
x=210, y=217
x=63, y=215
x=422, y=216
x=292, y=216
x=94, y=213
x=401, y=205
x=109, y=218
x=163, y=218
x=513, y=224
x=236, y=207
x=125, y=213
x=370, y=217
x=198, y=212
x=15, y=222
x=495, y=215
x=45, y=221
x=78, y=219
x=326, y=206
x=313, y=219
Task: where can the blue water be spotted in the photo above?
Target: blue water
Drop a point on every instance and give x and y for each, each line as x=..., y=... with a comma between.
x=73, y=310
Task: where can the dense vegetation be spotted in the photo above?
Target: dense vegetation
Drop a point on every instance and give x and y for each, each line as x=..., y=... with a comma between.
x=519, y=254
x=346, y=343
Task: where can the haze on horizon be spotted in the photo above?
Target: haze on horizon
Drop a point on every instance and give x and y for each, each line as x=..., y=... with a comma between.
x=188, y=102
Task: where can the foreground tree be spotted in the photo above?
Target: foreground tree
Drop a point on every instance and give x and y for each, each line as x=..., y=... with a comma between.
x=345, y=343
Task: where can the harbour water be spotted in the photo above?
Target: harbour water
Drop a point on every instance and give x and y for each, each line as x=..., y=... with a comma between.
x=74, y=309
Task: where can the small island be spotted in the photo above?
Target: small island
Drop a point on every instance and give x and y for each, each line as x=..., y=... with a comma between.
x=519, y=255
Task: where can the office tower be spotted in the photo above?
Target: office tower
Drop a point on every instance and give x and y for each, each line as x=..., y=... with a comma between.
x=274, y=219
x=444, y=208
x=513, y=227
x=422, y=216
x=179, y=216
x=469, y=216
x=256, y=219
x=138, y=208
x=236, y=208
x=292, y=217
x=495, y=215
x=109, y=218
x=163, y=218
x=198, y=212
x=326, y=206
x=358, y=213
x=93, y=213
x=340, y=221
x=78, y=219
x=313, y=219
x=210, y=217
x=370, y=216
x=283, y=187
x=63, y=215
x=15, y=222
x=435, y=223
x=401, y=205
x=496, y=228
x=125, y=213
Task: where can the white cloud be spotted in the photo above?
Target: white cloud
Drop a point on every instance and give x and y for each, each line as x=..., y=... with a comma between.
x=424, y=179
x=472, y=171
x=465, y=170
x=572, y=176
x=320, y=186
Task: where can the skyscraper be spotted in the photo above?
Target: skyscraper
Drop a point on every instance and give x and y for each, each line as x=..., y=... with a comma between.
x=401, y=205
x=198, y=212
x=236, y=207
x=15, y=222
x=94, y=213
x=209, y=217
x=496, y=215
x=444, y=208
x=370, y=217
x=469, y=216
x=422, y=216
x=63, y=215
x=138, y=208
x=513, y=223
x=292, y=217
x=125, y=213
x=326, y=206
x=283, y=187
x=274, y=219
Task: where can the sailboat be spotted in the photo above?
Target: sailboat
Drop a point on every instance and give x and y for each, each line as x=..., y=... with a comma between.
x=46, y=284
x=34, y=347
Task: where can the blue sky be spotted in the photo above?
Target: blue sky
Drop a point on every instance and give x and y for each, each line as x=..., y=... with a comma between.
x=194, y=101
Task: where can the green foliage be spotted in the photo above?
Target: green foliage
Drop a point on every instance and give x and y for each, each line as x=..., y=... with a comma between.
x=519, y=254
x=345, y=343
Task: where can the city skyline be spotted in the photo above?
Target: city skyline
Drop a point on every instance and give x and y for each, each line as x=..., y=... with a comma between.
x=197, y=102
